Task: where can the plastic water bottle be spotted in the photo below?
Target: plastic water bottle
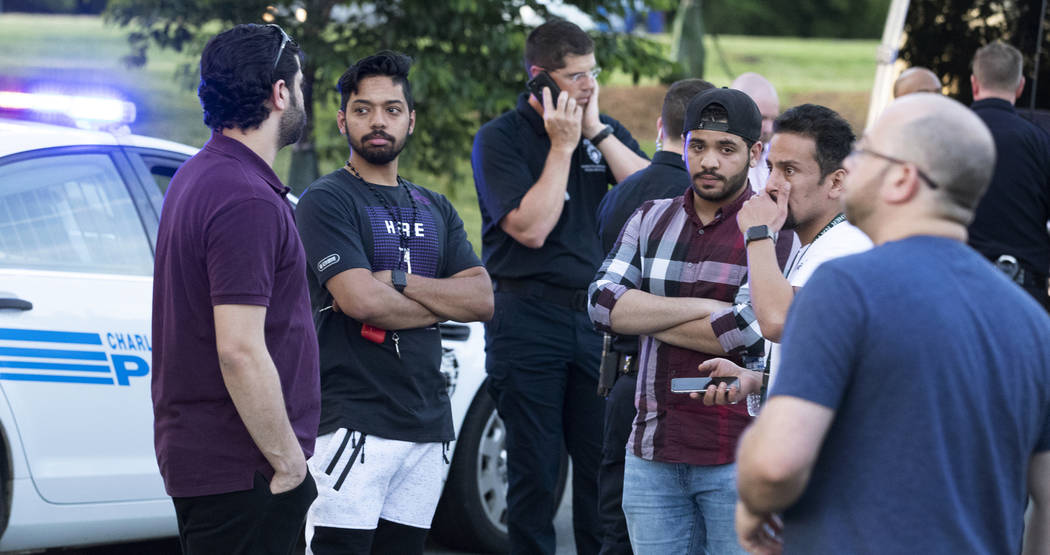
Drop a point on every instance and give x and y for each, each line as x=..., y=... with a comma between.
x=758, y=364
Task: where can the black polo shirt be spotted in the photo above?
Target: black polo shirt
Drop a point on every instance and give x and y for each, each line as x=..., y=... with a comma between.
x=665, y=178
x=1011, y=217
x=508, y=157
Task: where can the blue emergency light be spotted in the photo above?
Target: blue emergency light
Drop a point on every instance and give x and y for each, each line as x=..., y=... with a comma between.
x=84, y=111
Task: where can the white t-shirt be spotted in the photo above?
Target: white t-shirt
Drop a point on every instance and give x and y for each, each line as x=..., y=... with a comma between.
x=841, y=240
x=759, y=174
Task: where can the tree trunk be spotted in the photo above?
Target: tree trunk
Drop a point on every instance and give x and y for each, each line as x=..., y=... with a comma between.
x=302, y=171
x=687, y=39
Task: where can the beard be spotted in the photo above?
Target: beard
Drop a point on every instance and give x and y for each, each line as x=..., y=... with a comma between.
x=731, y=187
x=291, y=125
x=860, y=199
x=378, y=155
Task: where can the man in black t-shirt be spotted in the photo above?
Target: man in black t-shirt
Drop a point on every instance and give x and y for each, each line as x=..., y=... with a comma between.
x=540, y=171
x=388, y=261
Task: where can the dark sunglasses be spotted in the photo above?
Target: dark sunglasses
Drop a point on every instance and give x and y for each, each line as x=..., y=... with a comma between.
x=861, y=150
x=285, y=39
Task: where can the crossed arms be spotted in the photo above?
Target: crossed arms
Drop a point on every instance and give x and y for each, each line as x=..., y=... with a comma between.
x=370, y=297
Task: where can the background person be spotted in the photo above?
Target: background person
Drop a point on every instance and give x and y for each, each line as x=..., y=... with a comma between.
x=916, y=79
x=938, y=465
x=540, y=171
x=389, y=260
x=765, y=96
x=234, y=421
x=1010, y=225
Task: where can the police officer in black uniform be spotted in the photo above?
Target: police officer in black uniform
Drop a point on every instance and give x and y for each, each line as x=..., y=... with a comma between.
x=1009, y=226
x=540, y=171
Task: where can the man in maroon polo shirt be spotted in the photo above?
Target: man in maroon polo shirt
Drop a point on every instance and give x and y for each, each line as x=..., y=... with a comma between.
x=236, y=393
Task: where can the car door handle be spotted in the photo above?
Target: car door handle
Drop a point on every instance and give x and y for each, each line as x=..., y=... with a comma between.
x=15, y=303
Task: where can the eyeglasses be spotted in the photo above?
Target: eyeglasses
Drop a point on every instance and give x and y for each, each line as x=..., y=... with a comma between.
x=285, y=39
x=861, y=150
x=593, y=74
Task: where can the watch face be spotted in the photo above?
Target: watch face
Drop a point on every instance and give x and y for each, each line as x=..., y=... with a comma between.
x=757, y=232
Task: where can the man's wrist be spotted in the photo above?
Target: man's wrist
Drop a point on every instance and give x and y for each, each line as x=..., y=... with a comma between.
x=591, y=129
x=600, y=135
x=757, y=233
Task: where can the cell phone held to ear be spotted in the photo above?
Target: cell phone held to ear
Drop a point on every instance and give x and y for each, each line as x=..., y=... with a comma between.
x=699, y=385
x=541, y=80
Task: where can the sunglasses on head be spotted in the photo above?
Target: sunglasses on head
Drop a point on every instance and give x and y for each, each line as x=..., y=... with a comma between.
x=285, y=39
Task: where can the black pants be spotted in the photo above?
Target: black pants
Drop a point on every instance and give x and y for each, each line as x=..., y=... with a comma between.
x=388, y=537
x=619, y=417
x=244, y=522
x=542, y=361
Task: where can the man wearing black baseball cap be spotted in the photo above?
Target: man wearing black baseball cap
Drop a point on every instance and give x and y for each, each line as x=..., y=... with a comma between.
x=674, y=271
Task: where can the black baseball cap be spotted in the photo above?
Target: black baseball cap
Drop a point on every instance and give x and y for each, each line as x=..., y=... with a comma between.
x=745, y=120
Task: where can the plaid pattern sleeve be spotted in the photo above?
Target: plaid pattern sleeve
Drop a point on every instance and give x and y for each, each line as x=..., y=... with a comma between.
x=736, y=327
x=620, y=272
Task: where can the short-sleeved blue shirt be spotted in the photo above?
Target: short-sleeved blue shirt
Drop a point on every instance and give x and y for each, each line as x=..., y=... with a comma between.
x=508, y=157
x=938, y=370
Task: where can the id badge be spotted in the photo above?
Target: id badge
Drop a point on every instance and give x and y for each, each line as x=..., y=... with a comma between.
x=406, y=257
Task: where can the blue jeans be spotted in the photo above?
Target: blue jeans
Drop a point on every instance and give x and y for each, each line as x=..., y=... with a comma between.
x=680, y=508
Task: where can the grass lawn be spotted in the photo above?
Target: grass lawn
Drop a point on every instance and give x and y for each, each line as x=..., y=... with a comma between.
x=83, y=51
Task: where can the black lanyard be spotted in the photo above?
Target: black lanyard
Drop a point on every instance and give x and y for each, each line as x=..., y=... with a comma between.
x=834, y=222
x=402, y=233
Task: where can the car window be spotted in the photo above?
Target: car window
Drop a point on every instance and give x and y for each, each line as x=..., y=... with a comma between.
x=70, y=213
x=162, y=170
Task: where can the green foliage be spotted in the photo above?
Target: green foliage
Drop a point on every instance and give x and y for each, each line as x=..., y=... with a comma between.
x=468, y=59
x=943, y=35
x=54, y=6
x=797, y=18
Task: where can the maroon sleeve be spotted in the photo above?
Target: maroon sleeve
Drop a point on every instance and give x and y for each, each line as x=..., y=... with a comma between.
x=242, y=244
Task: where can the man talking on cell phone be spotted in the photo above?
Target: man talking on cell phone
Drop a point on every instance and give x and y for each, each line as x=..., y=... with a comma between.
x=540, y=171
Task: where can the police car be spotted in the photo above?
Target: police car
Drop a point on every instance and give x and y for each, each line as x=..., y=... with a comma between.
x=79, y=206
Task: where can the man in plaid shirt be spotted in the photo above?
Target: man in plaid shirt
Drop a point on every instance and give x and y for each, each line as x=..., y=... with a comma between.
x=675, y=269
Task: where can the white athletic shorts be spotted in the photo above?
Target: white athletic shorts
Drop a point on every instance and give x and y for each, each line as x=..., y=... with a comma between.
x=362, y=478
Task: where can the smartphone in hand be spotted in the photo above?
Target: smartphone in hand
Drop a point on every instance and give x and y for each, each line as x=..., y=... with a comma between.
x=541, y=80
x=691, y=385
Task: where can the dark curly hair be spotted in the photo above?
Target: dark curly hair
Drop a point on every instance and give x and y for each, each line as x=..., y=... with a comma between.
x=394, y=65
x=237, y=71
x=832, y=134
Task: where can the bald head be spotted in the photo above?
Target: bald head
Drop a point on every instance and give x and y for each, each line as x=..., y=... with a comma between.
x=765, y=96
x=945, y=140
x=914, y=80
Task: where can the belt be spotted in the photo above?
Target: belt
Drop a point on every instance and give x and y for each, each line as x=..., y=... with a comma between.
x=574, y=299
x=627, y=364
x=1020, y=272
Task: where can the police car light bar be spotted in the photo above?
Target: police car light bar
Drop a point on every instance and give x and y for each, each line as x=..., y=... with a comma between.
x=85, y=110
